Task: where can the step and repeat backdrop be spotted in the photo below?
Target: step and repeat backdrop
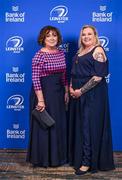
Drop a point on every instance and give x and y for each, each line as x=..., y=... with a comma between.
x=20, y=23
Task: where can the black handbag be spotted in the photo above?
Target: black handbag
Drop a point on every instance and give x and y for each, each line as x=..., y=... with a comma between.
x=43, y=118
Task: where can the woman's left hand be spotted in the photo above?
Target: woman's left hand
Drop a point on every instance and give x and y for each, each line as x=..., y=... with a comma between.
x=66, y=97
x=77, y=93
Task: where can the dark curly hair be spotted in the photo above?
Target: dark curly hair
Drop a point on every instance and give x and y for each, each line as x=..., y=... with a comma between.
x=44, y=31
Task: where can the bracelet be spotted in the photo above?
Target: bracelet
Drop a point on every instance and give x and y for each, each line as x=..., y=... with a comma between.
x=40, y=101
x=81, y=90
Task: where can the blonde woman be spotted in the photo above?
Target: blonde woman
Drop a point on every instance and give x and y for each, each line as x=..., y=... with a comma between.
x=90, y=139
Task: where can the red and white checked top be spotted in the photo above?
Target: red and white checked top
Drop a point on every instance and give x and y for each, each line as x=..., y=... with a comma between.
x=45, y=64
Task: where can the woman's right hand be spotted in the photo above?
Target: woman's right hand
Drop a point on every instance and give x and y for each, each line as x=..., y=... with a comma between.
x=40, y=106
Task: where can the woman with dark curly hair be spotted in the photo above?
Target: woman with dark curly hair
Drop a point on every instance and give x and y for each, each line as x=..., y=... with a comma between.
x=50, y=92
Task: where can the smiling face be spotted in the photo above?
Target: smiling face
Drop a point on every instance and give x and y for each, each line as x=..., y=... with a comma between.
x=51, y=39
x=88, y=37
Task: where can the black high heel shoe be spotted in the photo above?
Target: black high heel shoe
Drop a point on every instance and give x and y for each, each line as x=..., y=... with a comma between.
x=80, y=172
x=76, y=168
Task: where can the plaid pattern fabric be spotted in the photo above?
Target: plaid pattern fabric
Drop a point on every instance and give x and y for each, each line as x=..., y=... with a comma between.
x=45, y=64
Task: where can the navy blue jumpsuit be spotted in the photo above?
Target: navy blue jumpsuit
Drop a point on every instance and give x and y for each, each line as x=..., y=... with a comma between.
x=90, y=141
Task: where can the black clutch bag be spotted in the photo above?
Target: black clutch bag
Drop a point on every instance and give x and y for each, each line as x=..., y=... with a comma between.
x=43, y=118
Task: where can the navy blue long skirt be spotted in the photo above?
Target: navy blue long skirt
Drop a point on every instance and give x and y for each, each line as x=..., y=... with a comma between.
x=49, y=147
x=89, y=115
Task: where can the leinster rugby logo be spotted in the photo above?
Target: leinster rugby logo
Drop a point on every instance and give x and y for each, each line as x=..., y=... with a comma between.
x=104, y=42
x=15, y=102
x=59, y=13
x=14, y=44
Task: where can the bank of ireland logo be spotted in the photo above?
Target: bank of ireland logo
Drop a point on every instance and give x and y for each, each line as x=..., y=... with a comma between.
x=102, y=15
x=15, y=102
x=15, y=76
x=104, y=41
x=15, y=15
x=58, y=13
x=15, y=132
x=14, y=44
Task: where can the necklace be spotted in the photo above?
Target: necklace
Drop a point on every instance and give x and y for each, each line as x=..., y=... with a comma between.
x=76, y=61
x=86, y=51
x=82, y=54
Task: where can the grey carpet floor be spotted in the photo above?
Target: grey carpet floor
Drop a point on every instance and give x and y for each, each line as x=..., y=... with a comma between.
x=13, y=166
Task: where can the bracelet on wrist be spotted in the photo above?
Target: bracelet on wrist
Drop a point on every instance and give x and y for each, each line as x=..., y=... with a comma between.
x=40, y=101
x=81, y=90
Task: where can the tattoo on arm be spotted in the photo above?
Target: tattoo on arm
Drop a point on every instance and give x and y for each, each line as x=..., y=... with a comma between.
x=89, y=85
x=99, y=56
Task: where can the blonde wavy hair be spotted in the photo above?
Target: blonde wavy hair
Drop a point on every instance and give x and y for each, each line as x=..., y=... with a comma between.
x=80, y=44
